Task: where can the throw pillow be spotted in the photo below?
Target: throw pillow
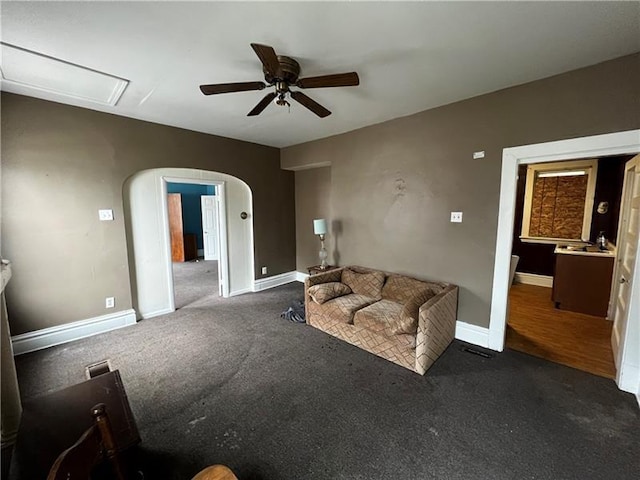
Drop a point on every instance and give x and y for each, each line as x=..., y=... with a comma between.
x=407, y=322
x=326, y=291
x=368, y=284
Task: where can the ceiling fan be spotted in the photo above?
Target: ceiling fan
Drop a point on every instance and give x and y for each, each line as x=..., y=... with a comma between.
x=282, y=72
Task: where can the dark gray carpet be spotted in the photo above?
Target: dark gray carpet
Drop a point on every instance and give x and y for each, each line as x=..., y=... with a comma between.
x=194, y=280
x=229, y=381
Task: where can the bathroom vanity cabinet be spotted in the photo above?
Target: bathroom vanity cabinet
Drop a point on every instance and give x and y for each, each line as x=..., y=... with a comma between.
x=582, y=281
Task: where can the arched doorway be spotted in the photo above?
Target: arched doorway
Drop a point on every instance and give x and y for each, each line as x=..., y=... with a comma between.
x=148, y=241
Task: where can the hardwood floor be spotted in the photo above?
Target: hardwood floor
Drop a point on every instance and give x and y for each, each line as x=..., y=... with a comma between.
x=573, y=339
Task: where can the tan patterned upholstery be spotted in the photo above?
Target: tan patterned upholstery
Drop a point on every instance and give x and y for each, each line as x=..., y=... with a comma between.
x=436, y=327
x=379, y=344
x=341, y=309
x=324, y=277
x=311, y=280
x=326, y=291
x=407, y=321
x=400, y=288
x=379, y=317
x=371, y=327
x=366, y=283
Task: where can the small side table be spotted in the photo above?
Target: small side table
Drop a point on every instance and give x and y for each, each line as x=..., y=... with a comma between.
x=316, y=269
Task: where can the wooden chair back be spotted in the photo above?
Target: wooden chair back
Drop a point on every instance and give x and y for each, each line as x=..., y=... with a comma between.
x=98, y=444
x=94, y=446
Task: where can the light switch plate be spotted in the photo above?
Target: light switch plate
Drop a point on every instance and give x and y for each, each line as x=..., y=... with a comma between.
x=456, y=217
x=105, y=215
x=477, y=155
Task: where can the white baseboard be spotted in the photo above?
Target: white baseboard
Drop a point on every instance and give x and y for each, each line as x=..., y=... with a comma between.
x=48, y=337
x=472, y=334
x=242, y=291
x=157, y=313
x=301, y=277
x=274, y=281
x=534, y=279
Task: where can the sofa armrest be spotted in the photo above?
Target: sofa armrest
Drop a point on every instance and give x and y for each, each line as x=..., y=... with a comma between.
x=436, y=327
x=324, y=277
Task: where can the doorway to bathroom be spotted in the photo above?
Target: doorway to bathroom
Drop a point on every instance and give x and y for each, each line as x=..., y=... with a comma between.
x=564, y=242
x=625, y=304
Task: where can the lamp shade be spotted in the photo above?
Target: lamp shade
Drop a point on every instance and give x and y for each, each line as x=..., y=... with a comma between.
x=320, y=226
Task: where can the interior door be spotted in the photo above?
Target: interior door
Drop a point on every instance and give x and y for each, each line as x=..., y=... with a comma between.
x=626, y=327
x=174, y=208
x=210, y=231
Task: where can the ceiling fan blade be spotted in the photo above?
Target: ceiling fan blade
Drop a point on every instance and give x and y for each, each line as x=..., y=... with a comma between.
x=231, y=87
x=257, y=110
x=312, y=105
x=269, y=59
x=337, y=80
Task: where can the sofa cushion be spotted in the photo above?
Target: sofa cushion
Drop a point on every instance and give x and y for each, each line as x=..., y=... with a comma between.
x=378, y=317
x=342, y=309
x=407, y=321
x=326, y=291
x=400, y=288
x=368, y=283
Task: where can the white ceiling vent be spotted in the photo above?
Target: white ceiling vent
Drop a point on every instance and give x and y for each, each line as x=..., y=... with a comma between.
x=24, y=72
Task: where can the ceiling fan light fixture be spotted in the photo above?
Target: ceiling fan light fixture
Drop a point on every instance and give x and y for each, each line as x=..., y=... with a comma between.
x=281, y=100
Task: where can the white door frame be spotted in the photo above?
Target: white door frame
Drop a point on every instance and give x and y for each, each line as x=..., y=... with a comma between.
x=619, y=143
x=223, y=259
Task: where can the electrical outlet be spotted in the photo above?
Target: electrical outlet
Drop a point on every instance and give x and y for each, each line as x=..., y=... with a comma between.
x=456, y=217
x=478, y=155
x=109, y=302
x=105, y=215
x=264, y=270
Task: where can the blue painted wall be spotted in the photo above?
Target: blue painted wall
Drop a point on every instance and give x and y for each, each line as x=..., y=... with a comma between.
x=191, y=206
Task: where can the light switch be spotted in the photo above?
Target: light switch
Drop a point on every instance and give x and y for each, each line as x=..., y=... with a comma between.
x=456, y=217
x=477, y=155
x=105, y=215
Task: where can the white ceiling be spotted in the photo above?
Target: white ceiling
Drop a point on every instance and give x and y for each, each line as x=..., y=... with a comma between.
x=410, y=56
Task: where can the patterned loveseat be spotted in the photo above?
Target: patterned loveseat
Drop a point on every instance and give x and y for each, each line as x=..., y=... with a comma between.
x=399, y=318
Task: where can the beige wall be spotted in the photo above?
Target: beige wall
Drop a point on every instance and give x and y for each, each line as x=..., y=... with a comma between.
x=313, y=200
x=393, y=185
x=60, y=164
